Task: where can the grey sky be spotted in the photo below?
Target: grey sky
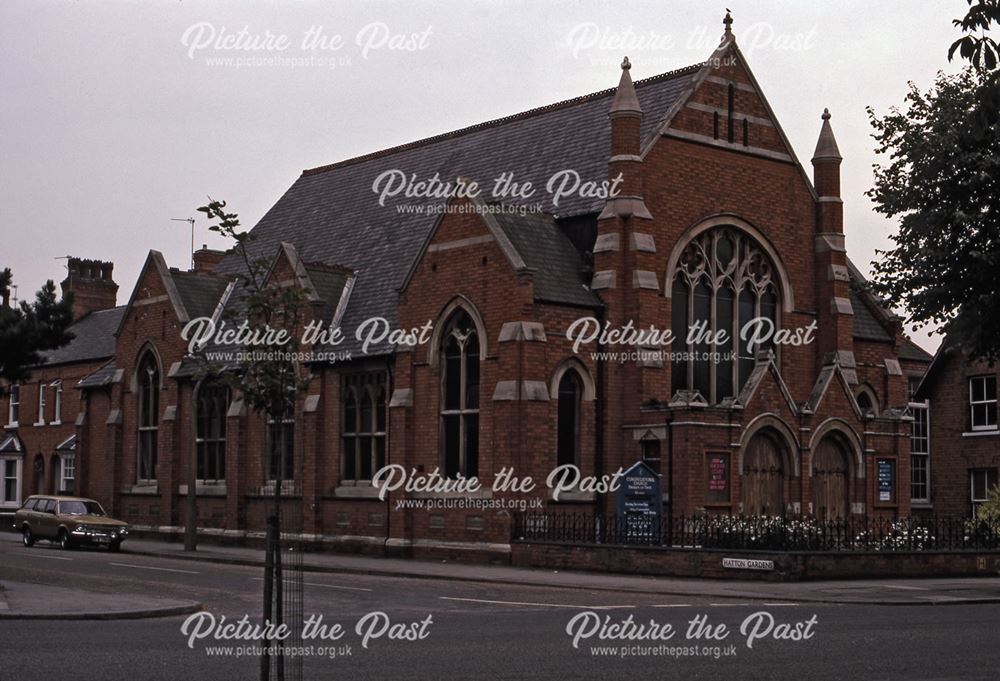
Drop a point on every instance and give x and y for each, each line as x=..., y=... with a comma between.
x=108, y=128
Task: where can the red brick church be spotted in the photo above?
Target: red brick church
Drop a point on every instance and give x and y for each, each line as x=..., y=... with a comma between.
x=713, y=222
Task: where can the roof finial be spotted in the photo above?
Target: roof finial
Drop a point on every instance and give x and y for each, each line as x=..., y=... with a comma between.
x=625, y=101
x=826, y=146
x=728, y=21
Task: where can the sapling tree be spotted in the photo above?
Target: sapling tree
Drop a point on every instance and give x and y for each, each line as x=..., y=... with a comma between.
x=268, y=376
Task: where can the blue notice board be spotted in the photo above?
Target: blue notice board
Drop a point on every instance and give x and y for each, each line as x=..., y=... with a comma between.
x=639, y=501
x=886, y=479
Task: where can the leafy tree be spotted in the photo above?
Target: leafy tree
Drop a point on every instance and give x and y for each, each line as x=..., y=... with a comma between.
x=28, y=330
x=989, y=510
x=941, y=180
x=979, y=49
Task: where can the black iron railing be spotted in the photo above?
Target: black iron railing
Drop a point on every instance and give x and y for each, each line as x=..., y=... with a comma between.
x=760, y=533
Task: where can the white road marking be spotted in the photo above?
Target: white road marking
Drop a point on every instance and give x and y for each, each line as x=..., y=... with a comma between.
x=42, y=555
x=539, y=605
x=728, y=605
x=780, y=605
x=334, y=586
x=325, y=586
x=673, y=605
x=158, y=569
x=902, y=586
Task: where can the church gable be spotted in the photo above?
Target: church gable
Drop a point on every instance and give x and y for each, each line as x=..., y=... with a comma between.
x=765, y=391
x=725, y=107
x=833, y=393
x=155, y=286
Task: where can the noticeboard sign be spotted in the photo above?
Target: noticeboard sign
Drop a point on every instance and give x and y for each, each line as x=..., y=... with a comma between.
x=886, y=471
x=639, y=501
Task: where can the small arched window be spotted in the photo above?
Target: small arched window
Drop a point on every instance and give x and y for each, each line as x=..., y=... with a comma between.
x=867, y=402
x=460, y=397
x=723, y=281
x=568, y=443
x=148, y=381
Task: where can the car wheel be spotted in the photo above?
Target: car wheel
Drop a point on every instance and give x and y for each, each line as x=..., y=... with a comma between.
x=115, y=546
x=64, y=541
x=27, y=537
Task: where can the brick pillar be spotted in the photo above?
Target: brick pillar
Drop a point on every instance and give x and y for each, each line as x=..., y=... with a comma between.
x=624, y=274
x=236, y=476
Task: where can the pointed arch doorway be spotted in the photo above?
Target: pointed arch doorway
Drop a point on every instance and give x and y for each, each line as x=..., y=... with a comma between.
x=830, y=473
x=764, y=475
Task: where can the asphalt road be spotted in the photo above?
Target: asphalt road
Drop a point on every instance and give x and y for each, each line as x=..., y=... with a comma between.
x=477, y=630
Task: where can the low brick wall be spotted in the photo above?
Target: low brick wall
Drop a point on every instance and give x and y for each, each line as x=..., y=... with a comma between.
x=790, y=566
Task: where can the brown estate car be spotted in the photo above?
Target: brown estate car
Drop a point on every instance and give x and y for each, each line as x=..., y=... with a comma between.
x=71, y=521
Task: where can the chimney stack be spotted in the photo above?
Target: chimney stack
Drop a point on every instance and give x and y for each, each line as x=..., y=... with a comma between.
x=92, y=286
x=205, y=259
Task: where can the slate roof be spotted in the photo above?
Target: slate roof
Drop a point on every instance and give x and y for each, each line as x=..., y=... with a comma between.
x=911, y=351
x=329, y=283
x=866, y=325
x=332, y=215
x=94, y=338
x=101, y=377
x=871, y=319
x=10, y=443
x=199, y=293
x=545, y=248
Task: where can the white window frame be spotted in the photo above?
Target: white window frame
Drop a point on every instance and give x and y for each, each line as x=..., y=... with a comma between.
x=14, y=405
x=19, y=473
x=987, y=401
x=63, y=459
x=925, y=408
x=57, y=403
x=41, y=404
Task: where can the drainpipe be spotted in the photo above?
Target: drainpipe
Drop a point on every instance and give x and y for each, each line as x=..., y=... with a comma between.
x=599, y=416
x=670, y=482
x=389, y=388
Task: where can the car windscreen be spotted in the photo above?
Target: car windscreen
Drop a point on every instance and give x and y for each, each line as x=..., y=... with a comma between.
x=80, y=508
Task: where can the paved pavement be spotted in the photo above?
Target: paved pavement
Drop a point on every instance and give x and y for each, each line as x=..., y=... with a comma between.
x=24, y=600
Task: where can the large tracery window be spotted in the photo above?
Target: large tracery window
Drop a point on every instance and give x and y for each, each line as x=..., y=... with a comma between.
x=460, y=397
x=724, y=280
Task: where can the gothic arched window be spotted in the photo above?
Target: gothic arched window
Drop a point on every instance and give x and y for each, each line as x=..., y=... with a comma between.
x=460, y=397
x=723, y=280
x=568, y=439
x=148, y=381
